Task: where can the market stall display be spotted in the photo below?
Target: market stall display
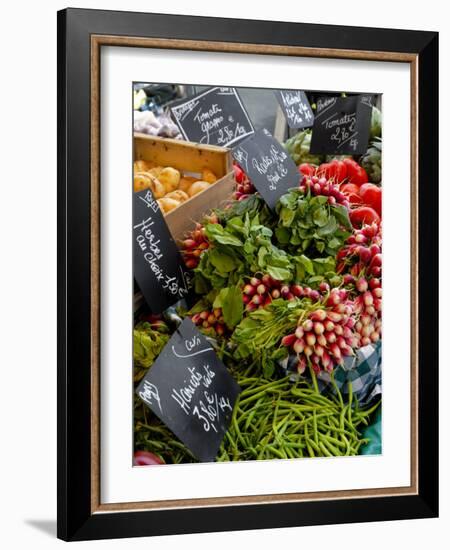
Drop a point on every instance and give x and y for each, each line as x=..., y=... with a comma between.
x=289, y=294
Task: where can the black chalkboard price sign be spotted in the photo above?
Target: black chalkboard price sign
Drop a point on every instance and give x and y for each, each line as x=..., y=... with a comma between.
x=214, y=117
x=342, y=125
x=268, y=165
x=157, y=264
x=191, y=391
x=296, y=108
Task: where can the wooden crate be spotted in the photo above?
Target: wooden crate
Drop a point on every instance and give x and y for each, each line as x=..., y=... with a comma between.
x=192, y=158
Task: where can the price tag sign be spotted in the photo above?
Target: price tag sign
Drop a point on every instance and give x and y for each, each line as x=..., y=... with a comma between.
x=268, y=166
x=296, y=108
x=158, y=267
x=191, y=391
x=215, y=117
x=342, y=125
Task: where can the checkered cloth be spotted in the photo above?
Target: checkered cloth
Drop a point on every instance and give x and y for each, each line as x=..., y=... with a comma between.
x=363, y=371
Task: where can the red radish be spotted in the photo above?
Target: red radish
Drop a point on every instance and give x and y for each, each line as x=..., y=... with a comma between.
x=301, y=365
x=362, y=285
x=261, y=289
x=257, y=300
x=275, y=293
x=254, y=281
x=211, y=319
x=329, y=326
x=314, y=295
x=288, y=340
x=297, y=290
x=204, y=315
x=318, y=315
x=374, y=283
x=331, y=337
x=319, y=328
x=284, y=290
x=189, y=243
x=368, y=298
x=322, y=340
x=308, y=351
x=324, y=287
x=191, y=263
x=348, y=279
x=336, y=351
x=375, y=271
x=299, y=332
x=246, y=299
x=249, y=289
x=307, y=325
x=335, y=317
x=299, y=346
x=310, y=339
x=319, y=350
x=146, y=458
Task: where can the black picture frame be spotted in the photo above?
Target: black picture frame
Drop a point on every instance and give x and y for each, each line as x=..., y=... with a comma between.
x=76, y=518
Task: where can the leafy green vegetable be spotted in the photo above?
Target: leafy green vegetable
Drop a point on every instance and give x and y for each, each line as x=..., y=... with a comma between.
x=311, y=226
x=147, y=345
x=232, y=306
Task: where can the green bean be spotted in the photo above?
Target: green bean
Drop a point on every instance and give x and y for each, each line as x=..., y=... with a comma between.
x=324, y=450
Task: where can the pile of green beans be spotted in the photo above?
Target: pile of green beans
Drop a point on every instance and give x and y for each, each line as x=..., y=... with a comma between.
x=271, y=419
x=279, y=419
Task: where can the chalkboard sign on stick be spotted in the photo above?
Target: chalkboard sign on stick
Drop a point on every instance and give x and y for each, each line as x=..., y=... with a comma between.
x=191, y=391
x=157, y=264
x=342, y=125
x=296, y=108
x=215, y=117
x=268, y=166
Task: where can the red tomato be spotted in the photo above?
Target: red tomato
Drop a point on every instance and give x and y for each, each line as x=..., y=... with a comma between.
x=338, y=171
x=352, y=193
x=363, y=215
x=324, y=169
x=239, y=174
x=355, y=173
x=371, y=195
x=145, y=458
x=307, y=169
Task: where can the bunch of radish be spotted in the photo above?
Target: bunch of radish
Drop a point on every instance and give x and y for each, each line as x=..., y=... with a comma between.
x=260, y=291
x=326, y=335
x=210, y=319
x=367, y=308
x=320, y=185
x=196, y=242
x=361, y=254
x=244, y=186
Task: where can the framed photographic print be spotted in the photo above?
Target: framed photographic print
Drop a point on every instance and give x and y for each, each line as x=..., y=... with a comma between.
x=247, y=257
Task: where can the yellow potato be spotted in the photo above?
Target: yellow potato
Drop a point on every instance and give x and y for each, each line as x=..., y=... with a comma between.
x=170, y=178
x=208, y=175
x=178, y=195
x=142, y=165
x=157, y=188
x=186, y=182
x=167, y=204
x=142, y=180
x=156, y=171
x=197, y=187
